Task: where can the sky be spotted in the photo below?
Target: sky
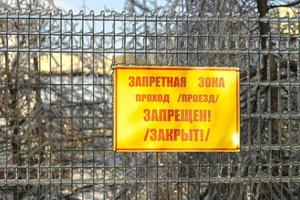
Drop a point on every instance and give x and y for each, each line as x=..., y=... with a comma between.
x=96, y=5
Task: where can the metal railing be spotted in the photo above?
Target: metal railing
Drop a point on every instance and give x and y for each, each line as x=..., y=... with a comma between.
x=56, y=109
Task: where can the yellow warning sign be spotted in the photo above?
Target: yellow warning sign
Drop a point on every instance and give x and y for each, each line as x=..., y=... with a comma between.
x=187, y=109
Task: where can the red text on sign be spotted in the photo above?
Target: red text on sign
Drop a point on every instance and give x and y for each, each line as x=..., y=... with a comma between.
x=215, y=82
x=191, y=115
x=157, y=81
x=176, y=134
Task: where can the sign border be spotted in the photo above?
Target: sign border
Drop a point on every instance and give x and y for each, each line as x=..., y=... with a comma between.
x=137, y=67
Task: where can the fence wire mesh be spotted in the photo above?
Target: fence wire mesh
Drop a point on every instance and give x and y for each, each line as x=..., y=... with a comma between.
x=56, y=110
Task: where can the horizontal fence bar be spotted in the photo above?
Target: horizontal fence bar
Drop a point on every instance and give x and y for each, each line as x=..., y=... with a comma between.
x=111, y=182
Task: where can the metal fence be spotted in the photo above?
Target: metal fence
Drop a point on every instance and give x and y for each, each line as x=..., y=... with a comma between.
x=56, y=110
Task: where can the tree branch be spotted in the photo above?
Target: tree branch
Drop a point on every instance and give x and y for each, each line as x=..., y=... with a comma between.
x=285, y=5
x=139, y=5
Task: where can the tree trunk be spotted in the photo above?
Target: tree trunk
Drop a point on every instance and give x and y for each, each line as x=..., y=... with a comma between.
x=268, y=59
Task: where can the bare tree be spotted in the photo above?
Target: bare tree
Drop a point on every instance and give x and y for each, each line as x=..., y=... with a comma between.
x=265, y=67
x=19, y=100
x=41, y=106
x=56, y=122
